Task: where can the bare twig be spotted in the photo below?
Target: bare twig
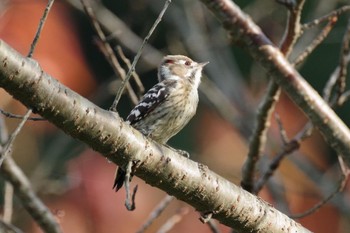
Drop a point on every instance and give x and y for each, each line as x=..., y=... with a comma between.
x=35, y=207
x=327, y=17
x=339, y=74
x=121, y=32
x=40, y=28
x=7, y=147
x=156, y=212
x=344, y=97
x=24, y=192
x=8, y=228
x=108, y=51
x=292, y=32
x=134, y=74
x=15, y=116
x=287, y=149
x=171, y=222
x=317, y=41
x=341, y=185
x=258, y=140
x=137, y=57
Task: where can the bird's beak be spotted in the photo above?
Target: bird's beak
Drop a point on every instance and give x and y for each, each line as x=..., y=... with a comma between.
x=203, y=64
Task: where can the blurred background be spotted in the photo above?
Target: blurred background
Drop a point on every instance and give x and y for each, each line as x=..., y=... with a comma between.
x=76, y=183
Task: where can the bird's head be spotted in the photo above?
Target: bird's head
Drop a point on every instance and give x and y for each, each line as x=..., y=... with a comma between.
x=180, y=67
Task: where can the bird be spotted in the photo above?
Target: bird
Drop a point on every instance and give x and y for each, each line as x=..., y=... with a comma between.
x=169, y=105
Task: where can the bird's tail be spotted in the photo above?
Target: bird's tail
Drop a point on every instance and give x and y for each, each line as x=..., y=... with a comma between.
x=119, y=179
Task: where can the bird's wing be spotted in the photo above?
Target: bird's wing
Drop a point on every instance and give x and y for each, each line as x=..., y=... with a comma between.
x=154, y=97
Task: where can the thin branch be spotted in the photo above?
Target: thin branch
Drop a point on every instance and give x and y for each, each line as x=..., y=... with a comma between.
x=257, y=143
x=40, y=28
x=344, y=97
x=171, y=222
x=137, y=57
x=15, y=116
x=316, y=42
x=292, y=33
x=114, y=26
x=7, y=147
x=339, y=74
x=327, y=17
x=287, y=149
x=8, y=228
x=341, y=185
x=155, y=213
x=34, y=206
x=107, y=50
x=343, y=64
x=24, y=192
x=134, y=74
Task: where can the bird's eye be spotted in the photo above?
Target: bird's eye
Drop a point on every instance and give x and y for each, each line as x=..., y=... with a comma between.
x=169, y=61
x=187, y=63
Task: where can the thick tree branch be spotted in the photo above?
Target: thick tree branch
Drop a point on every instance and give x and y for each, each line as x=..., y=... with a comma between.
x=250, y=36
x=159, y=166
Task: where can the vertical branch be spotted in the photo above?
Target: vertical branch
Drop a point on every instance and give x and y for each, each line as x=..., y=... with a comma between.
x=258, y=140
x=343, y=64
